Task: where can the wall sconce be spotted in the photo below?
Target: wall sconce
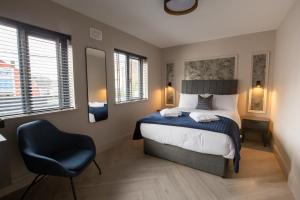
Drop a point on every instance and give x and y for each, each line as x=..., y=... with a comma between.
x=170, y=95
x=258, y=84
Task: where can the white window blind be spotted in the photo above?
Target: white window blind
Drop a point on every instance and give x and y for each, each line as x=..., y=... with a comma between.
x=131, y=77
x=36, y=72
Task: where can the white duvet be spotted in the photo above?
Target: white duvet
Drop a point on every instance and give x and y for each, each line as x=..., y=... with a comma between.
x=197, y=140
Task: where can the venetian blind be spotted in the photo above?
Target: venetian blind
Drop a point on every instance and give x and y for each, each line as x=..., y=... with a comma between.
x=131, y=77
x=36, y=72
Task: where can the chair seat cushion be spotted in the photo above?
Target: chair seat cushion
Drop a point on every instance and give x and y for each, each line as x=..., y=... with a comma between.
x=75, y=159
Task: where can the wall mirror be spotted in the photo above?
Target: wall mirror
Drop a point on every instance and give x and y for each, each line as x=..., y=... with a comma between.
x=97, y=87
x=259, y=83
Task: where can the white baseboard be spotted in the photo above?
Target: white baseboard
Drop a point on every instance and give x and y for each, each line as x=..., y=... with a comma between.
x=25, y=180
x=292, y=175
x=281, y=160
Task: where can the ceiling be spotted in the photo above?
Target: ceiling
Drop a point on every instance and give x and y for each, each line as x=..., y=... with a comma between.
x=213, y=19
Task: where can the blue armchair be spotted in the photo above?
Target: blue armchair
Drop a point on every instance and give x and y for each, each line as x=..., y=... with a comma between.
x=49, y=151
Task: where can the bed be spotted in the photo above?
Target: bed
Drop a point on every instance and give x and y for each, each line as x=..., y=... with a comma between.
x=97, y=111
x=205, y=150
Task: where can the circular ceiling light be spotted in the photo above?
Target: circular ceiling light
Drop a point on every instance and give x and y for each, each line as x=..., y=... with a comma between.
x=180, y=7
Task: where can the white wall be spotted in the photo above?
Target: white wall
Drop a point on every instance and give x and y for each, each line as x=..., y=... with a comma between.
x=286, y=97
x=242, y=46
x=46, y=14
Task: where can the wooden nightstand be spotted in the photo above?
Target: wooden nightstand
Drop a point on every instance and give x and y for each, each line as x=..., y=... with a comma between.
x=255, y=124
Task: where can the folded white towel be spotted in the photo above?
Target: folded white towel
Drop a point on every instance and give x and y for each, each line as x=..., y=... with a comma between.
x=201, y=117
x=170, y=113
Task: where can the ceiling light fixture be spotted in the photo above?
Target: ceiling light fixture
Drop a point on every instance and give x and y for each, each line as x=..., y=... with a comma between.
x=180, y=7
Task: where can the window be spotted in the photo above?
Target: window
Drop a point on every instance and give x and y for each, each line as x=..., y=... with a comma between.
x=36, y=72
x=131, y=77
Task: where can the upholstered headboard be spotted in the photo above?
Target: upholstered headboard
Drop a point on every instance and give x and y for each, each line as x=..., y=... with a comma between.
x=209, y=87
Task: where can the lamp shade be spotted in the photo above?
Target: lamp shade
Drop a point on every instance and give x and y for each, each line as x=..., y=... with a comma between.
x=258, y=84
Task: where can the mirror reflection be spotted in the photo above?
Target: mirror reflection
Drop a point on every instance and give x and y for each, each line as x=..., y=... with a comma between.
x=97, y=89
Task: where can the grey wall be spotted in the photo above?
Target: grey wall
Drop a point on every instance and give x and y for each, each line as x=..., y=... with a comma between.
x=46, y=14
x=286, y=98
x=242, y=46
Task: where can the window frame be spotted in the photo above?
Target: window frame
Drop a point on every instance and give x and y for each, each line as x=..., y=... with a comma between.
x=129, y=97
x=24, y=31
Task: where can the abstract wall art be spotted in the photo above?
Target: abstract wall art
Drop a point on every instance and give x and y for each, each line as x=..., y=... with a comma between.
x=259, y=83
x=222, y=68
x=170, y=96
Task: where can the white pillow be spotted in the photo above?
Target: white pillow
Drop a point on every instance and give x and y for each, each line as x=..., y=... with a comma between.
x=188, y=100
x=96, y=104
x=225, y=102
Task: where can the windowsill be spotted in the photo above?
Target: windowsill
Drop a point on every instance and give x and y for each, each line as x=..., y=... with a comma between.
x=133, y=101
x=38, y=113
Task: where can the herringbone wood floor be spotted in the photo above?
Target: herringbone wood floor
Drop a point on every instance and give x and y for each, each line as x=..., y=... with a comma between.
x=128, y=174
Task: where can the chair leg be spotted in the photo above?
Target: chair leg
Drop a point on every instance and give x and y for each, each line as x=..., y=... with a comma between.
x=99, y=169
x=36, y=180
x=73, y=189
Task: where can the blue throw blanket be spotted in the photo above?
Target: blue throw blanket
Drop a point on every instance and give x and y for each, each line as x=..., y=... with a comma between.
x=224, y=126
x=100, y=113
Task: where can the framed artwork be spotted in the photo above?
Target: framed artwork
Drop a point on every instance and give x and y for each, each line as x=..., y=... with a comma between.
x=218, y=68
x=258, y=92
x=170, y=96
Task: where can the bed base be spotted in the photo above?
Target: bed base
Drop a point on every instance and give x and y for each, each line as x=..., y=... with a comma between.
x=212, y=164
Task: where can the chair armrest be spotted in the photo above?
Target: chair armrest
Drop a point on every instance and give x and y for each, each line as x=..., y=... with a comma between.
x=78, y=141
x=40, y=164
